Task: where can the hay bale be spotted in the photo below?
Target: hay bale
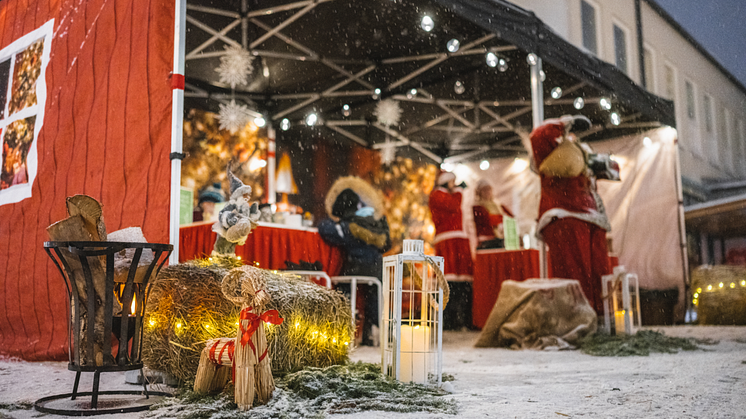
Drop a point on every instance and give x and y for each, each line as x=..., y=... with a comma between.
x=720, y=294
x=186, y=308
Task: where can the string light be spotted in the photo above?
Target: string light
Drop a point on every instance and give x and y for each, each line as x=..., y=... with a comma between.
x=311, y=119
x=709, y=288
x=556, y=93
x=604, y=103
x=260, y=122
x=427, y=23
x=532, y=59
x=578, y=103
x=285, y=124
x=502, y=65
x=491, y=59
x=453, y=45
x=615, y=118
x=346, y=110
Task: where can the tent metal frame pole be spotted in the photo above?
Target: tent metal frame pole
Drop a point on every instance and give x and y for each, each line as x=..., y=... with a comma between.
x=177, y=126
x=682, y=225
x=537, y=109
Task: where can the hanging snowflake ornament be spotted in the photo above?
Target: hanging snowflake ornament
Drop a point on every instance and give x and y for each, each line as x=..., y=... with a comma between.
x=235, y=66
x=233, y=116
x=388, y=112
x=388, y=152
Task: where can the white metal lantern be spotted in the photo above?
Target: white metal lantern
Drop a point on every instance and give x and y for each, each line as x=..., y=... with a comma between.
x=621, y=292
x=412, y=328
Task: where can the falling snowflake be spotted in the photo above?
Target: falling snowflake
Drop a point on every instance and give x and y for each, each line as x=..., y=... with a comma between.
x=235, y=66
x=388, y=112
x=233, y=116
x=388, y=152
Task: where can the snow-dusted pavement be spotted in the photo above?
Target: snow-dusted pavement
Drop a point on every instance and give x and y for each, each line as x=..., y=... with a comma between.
x=500, y=383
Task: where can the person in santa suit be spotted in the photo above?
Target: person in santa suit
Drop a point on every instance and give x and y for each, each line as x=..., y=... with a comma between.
x=488, y=217
x=452, y=243
x=572, y=220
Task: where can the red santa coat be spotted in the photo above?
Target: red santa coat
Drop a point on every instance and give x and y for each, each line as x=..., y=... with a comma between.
x=451, y=240
x=486, y=222
x=572, y=221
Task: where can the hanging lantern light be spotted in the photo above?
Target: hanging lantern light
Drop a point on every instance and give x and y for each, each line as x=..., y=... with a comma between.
x=415, y=293
x=311, y=119
x=604, y=103
x=285, y=124
x=615, y=118
x=453, y=45
x=578, y=103
x=459, y=87
x=556, y=93
x=427, y=23
x=502, y=65
x=491, y=59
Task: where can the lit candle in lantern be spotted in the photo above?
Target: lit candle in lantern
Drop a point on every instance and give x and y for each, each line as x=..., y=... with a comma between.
x=619, y=322
x=415, y=345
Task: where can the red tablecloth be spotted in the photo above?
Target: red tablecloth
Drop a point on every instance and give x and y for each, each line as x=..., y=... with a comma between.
x=491, y=268
x=269, y=245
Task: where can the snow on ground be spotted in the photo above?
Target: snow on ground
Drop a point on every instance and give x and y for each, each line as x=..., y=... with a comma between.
x=501, y=383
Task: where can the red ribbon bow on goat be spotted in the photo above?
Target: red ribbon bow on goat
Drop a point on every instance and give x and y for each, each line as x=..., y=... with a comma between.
x=269, y=316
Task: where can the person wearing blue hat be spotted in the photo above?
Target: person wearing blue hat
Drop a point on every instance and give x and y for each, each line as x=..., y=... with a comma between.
x=205, y=209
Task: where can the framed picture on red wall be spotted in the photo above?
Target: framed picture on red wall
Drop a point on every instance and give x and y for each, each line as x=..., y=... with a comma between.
x=23, y=94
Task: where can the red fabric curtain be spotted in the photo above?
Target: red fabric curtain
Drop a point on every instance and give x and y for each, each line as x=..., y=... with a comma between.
x=106, y=134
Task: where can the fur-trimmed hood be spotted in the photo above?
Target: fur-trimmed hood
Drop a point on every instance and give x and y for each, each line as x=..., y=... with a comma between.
x=370, y=196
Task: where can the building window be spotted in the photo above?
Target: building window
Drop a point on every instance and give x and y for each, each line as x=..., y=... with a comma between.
x=649, y=69
x=707, y=103
x=588, y=17
x=620, y=48
x=690, y=107
x=670, y=89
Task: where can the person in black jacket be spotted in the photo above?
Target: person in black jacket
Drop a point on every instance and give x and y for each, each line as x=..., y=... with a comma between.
x=357, y=226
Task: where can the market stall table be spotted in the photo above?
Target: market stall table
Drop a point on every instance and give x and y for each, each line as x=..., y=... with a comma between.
x=269, y=245
x=492, y=267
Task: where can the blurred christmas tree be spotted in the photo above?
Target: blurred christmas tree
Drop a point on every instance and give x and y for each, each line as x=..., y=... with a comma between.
x=209, y=149
x=406, y=186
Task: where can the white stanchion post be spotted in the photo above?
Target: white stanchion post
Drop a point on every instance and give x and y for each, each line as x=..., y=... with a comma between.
x=177, y=125
x=537, y=109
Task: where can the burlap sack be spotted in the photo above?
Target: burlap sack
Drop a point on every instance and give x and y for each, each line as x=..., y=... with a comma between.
x=538, y=313
x=567, y=160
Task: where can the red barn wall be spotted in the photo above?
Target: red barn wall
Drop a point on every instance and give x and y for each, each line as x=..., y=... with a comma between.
x=106, y=134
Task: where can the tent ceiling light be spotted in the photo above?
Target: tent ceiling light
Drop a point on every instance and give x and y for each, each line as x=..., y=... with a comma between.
x=556, y=93
x=615, y=118
x=311, y=119
x=604, y=103
x=453, y=45
x=484, y=165
x=491, y=59
x=285, y=124
x=502, y=65
x=427, y=23
x=578, y=103
x=532, y=59
x=459, y=87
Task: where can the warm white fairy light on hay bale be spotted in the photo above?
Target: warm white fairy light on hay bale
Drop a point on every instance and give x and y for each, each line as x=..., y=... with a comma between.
x=719, y=294
x=415, y=293
x=186, y=308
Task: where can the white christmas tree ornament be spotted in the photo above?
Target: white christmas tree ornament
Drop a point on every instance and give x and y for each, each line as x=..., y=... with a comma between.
x=233, y=116
x=235, y=66
x=388, y=112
